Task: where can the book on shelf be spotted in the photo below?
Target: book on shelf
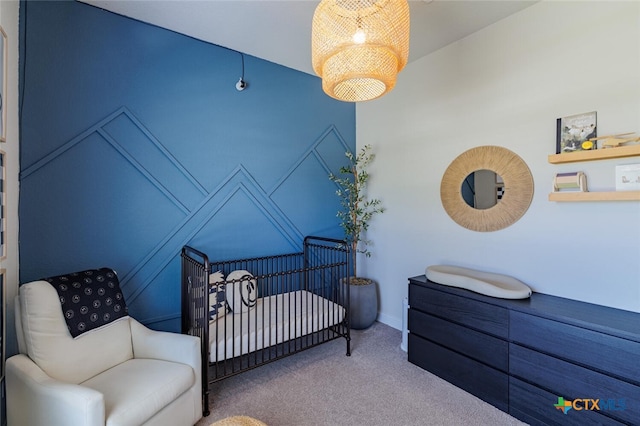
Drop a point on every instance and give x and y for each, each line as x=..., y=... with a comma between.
x=573, y=132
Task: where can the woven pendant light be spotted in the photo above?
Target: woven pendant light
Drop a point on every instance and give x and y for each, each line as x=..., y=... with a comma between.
x=359, y=46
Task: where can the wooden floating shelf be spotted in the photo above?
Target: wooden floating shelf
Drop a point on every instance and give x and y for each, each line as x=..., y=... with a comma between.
x=595, y=196
x=596, y=154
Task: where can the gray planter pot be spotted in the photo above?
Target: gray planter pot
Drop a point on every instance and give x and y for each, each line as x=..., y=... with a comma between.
x=363, y=300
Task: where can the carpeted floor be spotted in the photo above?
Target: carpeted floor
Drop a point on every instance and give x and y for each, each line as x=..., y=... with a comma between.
x=375, y=386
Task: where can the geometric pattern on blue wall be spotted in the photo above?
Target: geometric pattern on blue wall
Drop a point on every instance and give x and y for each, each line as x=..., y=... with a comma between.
x=238, y=195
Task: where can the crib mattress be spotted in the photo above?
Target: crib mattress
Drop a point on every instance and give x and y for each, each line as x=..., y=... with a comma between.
x=275, y=319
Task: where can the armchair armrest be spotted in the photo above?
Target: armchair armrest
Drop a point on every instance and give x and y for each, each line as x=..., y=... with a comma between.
x=58, y=403
x=166, y=346
x=174, y=347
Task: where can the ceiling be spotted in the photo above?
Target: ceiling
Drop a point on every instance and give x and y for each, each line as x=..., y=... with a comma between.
x=280, y=31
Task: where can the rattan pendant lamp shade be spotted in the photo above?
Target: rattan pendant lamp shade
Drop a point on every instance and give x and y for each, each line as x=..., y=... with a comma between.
x=359, y=46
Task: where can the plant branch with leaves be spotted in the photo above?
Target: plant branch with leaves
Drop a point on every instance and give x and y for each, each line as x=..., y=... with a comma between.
x=357, y=210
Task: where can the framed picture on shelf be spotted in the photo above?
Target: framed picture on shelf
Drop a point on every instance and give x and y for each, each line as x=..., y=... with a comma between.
x=628, y=177
x=3, y=85
x=573, y=132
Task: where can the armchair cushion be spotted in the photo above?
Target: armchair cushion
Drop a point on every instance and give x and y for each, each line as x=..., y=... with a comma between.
x=136, y=390
x=51, y=347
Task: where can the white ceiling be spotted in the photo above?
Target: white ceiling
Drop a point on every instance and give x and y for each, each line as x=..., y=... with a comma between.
x=280, y=30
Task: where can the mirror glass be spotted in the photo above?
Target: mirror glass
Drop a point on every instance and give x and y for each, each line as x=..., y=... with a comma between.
x=482, y=189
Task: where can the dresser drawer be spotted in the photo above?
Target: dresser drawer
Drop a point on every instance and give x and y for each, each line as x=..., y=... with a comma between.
x=479, y=346
x=535, y=406
x=474, y=377
x=616, y=356
x=571, y=382
x=471, y=313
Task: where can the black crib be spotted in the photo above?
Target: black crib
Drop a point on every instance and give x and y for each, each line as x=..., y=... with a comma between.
x=302, y=302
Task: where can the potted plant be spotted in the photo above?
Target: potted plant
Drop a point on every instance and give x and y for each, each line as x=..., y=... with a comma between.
x=357, y=210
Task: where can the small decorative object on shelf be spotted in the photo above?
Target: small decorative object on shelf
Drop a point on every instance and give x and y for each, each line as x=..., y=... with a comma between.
x=587, y=145
x=573, y=181
x=628, y=177
x=573, y=131
x=614, y=141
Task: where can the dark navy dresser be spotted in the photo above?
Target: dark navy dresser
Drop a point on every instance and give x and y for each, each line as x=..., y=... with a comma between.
x=522, y=356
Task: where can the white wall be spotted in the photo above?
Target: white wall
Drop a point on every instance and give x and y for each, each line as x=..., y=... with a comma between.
x=506, y=85
x=9, y=22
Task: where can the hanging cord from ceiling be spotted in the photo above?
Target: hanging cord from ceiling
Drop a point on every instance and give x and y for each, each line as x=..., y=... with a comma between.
x=241, y=84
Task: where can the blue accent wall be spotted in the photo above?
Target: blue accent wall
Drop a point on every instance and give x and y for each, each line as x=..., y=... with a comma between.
x=135, y=142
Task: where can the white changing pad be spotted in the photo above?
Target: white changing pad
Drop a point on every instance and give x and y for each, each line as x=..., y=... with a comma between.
x=487, y=283
x=275, y=319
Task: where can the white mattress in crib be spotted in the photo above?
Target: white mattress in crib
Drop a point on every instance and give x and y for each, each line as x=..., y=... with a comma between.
x=275, y=319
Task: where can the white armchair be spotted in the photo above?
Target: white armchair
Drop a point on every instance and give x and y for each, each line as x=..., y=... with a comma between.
x=120, y=374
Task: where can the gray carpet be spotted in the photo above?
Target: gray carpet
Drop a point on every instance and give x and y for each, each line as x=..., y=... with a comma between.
x=375, y=386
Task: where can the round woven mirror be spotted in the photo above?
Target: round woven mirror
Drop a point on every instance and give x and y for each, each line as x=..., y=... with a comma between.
x=515, y=188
